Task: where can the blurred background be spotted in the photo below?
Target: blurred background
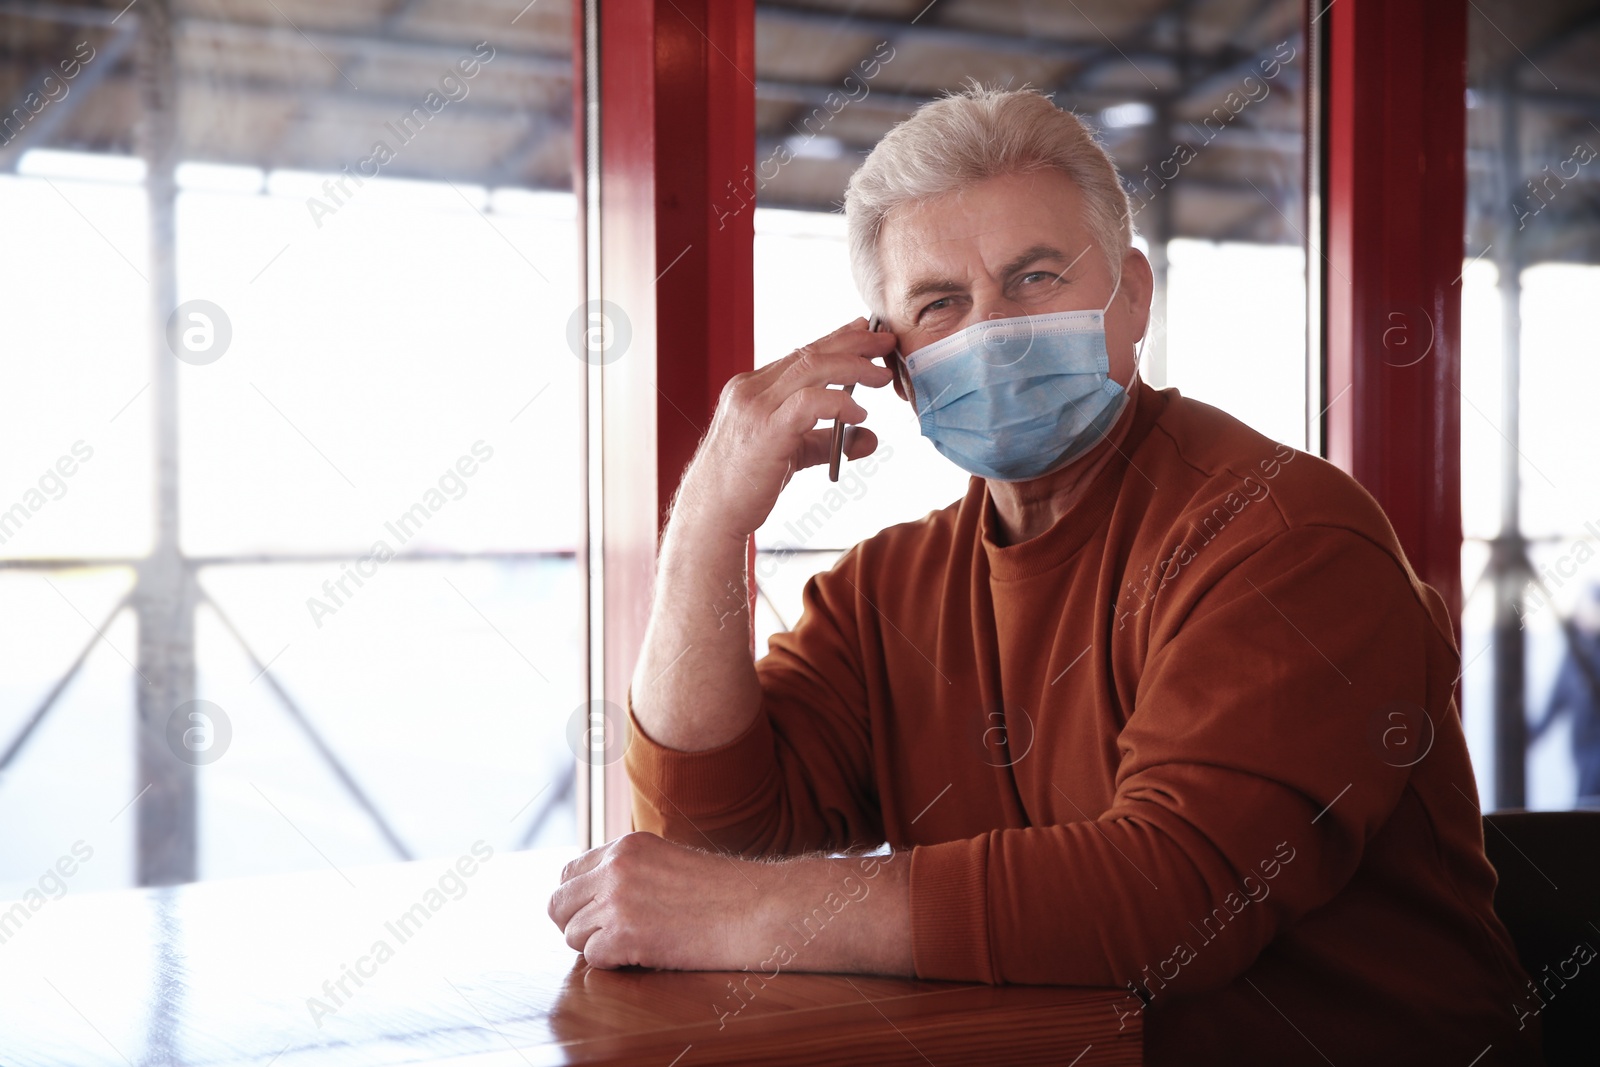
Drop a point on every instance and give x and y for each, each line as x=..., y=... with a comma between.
x=291, y=466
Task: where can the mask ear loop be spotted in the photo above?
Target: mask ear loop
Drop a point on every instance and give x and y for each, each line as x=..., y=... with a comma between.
x=897, y=365
x=1138, y=353
x=1138, y=357
x=1112, y=299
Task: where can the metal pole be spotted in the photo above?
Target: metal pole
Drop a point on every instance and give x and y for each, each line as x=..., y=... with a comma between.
x=1314, y=114
x=590, y=780
x=1509, y=561
x=1157, y=231
x=165, y=594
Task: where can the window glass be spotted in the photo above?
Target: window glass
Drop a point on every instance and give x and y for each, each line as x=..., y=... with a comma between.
x=291, y=436
x=1530, y=691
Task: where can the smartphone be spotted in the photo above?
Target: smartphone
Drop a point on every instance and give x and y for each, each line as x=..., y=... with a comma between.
x=836, y=455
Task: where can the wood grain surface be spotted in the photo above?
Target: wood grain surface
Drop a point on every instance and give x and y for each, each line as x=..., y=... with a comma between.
x=423, y=963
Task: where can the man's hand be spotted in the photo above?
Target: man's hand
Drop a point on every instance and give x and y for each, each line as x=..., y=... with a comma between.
x=643, y=901
x=763, y=430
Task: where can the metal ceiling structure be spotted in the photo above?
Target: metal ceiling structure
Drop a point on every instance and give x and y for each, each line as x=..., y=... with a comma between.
x=305, y=85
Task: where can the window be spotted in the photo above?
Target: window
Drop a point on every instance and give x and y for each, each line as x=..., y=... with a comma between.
x=292, y=444
x=1530, y=507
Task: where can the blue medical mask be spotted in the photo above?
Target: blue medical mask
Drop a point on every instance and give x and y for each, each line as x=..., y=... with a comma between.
x=1012, y=399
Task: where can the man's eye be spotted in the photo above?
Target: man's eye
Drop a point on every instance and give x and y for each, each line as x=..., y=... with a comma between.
x=1034, y=276
x=938, y=305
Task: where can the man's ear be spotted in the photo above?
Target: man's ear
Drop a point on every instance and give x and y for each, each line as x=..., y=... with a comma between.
x=902, y=379
x=1138, y=287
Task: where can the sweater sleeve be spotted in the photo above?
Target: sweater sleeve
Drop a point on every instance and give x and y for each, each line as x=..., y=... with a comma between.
x=800, y=777
x=1248, y=785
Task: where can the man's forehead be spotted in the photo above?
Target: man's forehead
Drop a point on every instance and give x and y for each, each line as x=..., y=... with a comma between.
x=1006, y=201
x=987, y=224
x=913, y=266
x=911, y=241
x=933, y=223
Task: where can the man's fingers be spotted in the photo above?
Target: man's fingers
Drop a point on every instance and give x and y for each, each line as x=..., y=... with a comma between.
x=802, y=410
x=816, y=446
x=771, y=372
x=582, y=925
x=575, y=890
x=838, y=360
x=583, y=863
x=859, y=442
x=857, y=323
x=569, y=899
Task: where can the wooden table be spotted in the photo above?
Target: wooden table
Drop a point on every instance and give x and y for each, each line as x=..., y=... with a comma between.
x=440, y=966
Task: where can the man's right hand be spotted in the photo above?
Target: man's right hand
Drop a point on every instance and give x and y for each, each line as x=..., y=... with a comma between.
x=765, y=428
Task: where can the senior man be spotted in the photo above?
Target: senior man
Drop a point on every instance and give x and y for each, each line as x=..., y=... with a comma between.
x=1158, y=705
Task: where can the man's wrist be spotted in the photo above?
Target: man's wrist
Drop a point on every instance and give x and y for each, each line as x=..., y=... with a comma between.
x=847, y=914
x=695, y=507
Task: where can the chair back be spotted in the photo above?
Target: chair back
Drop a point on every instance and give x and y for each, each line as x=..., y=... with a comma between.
x=1549, y=900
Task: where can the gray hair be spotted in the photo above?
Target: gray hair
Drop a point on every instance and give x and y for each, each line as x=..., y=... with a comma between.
x=969, y=136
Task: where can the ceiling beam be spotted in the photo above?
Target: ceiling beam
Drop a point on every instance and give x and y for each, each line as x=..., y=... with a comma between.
x=371, y=45
x=1566, y=33
x=67, y=14
x=53, y=118
x=1015, y=44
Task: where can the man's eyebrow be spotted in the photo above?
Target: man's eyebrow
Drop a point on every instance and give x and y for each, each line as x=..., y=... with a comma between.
x=1038, y=252
x=928, y=286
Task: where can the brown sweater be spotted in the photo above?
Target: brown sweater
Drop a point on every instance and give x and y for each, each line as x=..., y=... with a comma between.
x=1198, y=740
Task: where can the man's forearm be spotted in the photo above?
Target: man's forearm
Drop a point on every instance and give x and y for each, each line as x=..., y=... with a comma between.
x=850, y=915
x=695, y=684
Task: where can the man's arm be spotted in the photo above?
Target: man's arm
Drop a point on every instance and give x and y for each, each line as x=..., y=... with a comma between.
x=695, y=686
x=641, y=899
x=800, y=778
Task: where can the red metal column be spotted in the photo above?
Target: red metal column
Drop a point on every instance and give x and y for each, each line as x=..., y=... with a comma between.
x=1396, y=192
x=677, y=140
